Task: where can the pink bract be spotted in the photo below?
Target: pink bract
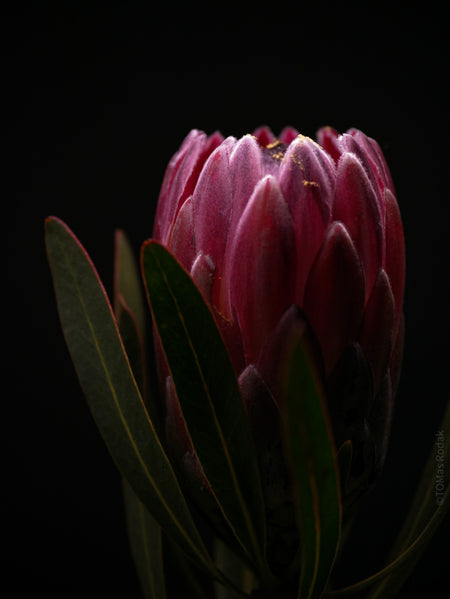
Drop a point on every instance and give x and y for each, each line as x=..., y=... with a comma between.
x=264, y=224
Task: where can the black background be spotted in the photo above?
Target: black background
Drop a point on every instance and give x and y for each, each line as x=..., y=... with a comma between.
x=98, y=98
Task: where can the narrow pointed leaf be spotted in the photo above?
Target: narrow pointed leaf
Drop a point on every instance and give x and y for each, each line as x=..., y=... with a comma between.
x=427, y=512
x=146, y=545
x=430, y=490
x=133, y=343
x=235, y=570
x=187, y=577
x=310, y=451
x=127, y=281
x=105, y=375
x=430, y=505
x=131, y=319
x=144, y=532
x=400, y=568
x=209, y=395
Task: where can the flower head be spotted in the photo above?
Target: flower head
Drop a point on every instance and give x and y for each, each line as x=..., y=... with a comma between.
x=278, y=231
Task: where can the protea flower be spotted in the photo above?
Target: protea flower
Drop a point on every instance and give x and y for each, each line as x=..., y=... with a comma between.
x=279, y=231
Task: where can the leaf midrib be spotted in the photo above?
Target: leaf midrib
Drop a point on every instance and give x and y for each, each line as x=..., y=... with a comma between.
x=117, y=404
x=236, y=485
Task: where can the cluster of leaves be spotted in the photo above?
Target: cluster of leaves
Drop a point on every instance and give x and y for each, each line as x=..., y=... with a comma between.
x=108, y=348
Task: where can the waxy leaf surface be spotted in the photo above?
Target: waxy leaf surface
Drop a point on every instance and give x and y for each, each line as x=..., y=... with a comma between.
x=144, y=532
x=209, y=396
x=146, y=545
x=113, y=396
x=311, y=455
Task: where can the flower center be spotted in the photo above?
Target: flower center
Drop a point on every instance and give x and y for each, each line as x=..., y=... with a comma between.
x=273, y=155
x=275, y=149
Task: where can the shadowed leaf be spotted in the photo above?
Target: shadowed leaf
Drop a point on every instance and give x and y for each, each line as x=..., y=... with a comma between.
x=127, y=281
x=209, y=396
x=310, y=452
x=144, y=533
x=146, y=545
x=427, y=512
x=106, y=377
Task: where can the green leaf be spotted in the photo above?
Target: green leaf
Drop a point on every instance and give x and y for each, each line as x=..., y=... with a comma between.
x=311, y=454
x=429, y=507
x=209, y=396
x=144, y=533
x=399, y=569
x=429, y=493
x=185, y=575
x=427, y=512
x=146, y=545
x=235, y=570
x=105, y=375
x=134, y=345
x=127, y=282
x=130, y=315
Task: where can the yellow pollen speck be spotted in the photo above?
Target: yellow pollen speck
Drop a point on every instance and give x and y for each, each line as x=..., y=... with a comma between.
x=303, y=138
x=310, y=184
x=273, y=144
x=297, y=161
